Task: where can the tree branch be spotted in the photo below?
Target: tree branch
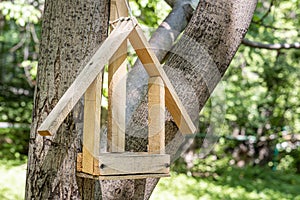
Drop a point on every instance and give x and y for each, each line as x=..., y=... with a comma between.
x=259, y=45
x=259, y=24
x=267, y=13
x=171, y=2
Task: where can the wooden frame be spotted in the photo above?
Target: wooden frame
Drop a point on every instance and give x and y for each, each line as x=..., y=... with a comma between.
x=154, y=163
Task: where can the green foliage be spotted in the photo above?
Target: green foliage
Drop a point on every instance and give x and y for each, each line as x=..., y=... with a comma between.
x=262, y=86
x=150, y=13
x=15, y=111
x=12, y=182
x=211, y=165
x=20, y=11
x=32, y=65
x=19, y=32
x=234, y=183
x=14, y=143
x=289, y=160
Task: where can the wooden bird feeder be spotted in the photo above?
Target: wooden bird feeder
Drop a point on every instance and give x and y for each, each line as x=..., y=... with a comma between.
x=116, y=163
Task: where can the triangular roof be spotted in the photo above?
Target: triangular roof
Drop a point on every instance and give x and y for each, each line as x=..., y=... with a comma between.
x=126, y=28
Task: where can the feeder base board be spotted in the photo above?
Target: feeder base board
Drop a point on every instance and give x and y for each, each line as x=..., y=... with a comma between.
x=126, y=165
x=121, y=177
x=133, y=163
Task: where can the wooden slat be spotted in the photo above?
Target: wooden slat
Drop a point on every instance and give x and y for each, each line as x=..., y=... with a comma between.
x=122, y=10
x=113, y=10
x=122, y=177
x=153, y=68
x=117, y=87
x=85, y=78
x=96, y=167
x=156, y=115
x=79, y=162
x=133, y=163
x=117, y=100
x=91, y=125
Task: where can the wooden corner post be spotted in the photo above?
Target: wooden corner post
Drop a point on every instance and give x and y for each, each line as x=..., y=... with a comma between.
x=91, y=126
x=156, y=115
x=117, y=87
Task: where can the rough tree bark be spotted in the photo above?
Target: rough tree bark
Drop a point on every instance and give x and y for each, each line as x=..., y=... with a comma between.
x=198, y=62
x=71, y=32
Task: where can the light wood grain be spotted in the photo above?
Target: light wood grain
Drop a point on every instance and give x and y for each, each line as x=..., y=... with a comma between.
x=153, y=68
x=117, y=87
x=156, y=115
x=133, y=163
x=79, y=162
x=121, y=177
x=91, y=125
x=85, y=78
x=113, y=10
x=96, y=167
x=122, y=10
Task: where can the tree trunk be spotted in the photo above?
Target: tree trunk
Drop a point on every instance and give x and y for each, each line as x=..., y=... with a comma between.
x=195, y=66
x=72, y=31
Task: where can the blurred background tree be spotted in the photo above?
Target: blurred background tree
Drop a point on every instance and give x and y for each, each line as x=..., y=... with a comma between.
x=262, y=87
x=19, y=37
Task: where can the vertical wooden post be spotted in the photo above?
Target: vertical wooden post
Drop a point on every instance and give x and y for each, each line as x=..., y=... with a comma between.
x=156, y=115
x=117, y=87
x=91, y=126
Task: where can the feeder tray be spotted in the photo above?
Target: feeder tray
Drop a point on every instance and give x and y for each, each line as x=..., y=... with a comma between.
x=131, y=165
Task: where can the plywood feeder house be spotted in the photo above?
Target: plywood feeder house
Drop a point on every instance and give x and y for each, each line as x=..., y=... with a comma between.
x=116, y=163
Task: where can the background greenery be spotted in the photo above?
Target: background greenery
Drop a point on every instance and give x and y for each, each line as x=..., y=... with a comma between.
x=257, y=155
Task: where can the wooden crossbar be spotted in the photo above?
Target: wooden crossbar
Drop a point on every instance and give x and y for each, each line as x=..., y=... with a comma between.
x=86, y=77
x=133, y=163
